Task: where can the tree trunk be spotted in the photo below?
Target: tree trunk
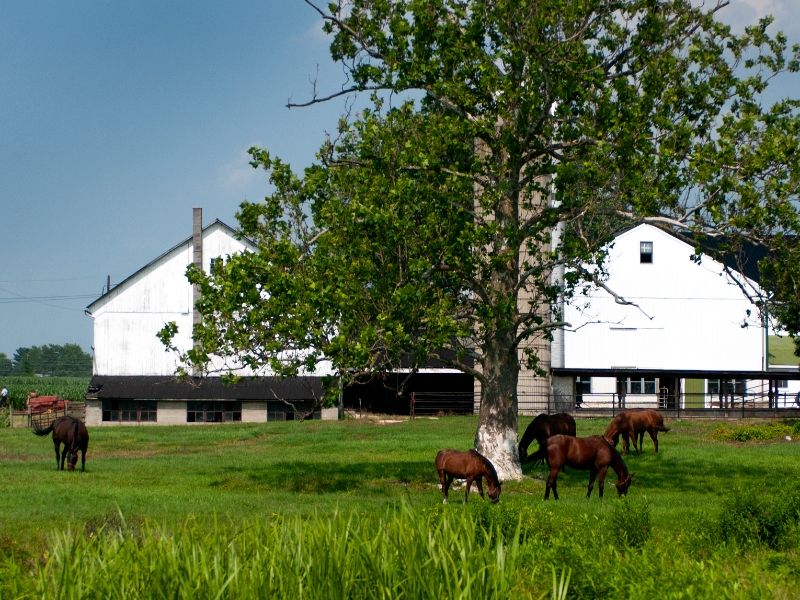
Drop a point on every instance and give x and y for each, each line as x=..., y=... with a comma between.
x=496, y=437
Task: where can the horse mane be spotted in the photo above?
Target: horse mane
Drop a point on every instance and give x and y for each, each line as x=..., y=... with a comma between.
x=490, y=467
x=617, y=462
x=75, y=423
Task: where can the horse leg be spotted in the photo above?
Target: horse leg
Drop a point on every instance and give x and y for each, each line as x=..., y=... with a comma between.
x=64, y=455
x=592, y=475
x=58, y=453
x=469, y=485
x=641, y=441
x=83, y=461
x=654, y=436
x=601, y=484
x=442, y=480
x=625, y=443
x=551, y=484
x=479, y=481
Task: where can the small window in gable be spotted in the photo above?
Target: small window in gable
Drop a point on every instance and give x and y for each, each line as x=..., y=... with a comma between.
x=645, y=252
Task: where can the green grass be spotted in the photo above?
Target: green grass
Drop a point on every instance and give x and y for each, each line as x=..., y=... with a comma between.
x=283, y=485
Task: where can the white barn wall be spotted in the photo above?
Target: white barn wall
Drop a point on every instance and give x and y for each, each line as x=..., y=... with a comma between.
x=127, y=319
x=696, y=313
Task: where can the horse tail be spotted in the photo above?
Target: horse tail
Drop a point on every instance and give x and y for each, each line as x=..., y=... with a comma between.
x=539, y=456
x=43, y=432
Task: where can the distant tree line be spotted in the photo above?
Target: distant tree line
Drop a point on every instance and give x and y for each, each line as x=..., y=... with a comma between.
x=50, y=360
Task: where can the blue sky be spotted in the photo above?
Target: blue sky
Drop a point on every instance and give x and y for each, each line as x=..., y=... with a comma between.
x=116, y=118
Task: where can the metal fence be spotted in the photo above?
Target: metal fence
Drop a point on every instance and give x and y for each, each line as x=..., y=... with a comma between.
x=749, y=404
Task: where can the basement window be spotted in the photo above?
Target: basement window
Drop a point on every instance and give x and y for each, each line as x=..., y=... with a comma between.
x=213, y=412
x=645, y=252
x=130, y=411
x=280, y=411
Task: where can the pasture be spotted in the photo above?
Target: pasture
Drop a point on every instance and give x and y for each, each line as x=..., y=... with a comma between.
x=692, y=526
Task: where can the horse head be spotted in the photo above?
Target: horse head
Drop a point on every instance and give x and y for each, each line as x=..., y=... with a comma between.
x=494, y=491
x=523, y=454
x=72, y=459
x=622, y=486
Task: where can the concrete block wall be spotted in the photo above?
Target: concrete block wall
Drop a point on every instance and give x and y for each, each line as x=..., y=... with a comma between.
x=94, y=412
x=254, y=412
x=171, y=413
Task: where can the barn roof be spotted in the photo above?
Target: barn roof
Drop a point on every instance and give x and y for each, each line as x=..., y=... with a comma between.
x=188, y=240
x=203, y=388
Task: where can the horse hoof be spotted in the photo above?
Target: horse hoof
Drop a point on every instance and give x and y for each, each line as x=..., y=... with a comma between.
x=444, y=501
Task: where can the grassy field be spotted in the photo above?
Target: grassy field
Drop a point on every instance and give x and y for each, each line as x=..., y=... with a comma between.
x=244, y=478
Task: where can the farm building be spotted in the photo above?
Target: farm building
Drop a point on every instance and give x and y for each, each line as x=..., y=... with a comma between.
x=689, y=340
x=134, y=377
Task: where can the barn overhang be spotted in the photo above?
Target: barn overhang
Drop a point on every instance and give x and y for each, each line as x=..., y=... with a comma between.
x=107, y=387
x=623, y=372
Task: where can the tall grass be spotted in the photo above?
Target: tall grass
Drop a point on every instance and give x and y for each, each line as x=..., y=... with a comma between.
x=70, y=388
x=453, y=552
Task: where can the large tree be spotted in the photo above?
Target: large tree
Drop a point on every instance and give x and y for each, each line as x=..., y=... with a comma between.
x=458, y=221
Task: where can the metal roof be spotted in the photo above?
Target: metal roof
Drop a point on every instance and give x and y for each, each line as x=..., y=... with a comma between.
x=202, y=388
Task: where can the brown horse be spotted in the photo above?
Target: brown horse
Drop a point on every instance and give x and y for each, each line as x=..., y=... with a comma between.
x=593, y=454
x=73, y=434
x=470, y=466
x=633, y=424
x=543, y=427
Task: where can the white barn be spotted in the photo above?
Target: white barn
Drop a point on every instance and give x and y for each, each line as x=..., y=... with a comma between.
x=688, y=318
x=134, y=375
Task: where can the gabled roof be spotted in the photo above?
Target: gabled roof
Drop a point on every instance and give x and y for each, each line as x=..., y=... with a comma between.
x=168, y=252
x=744, y=262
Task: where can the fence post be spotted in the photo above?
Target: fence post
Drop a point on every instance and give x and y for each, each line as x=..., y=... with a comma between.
x=613, y=405
x=413, y=398
x=548, y=403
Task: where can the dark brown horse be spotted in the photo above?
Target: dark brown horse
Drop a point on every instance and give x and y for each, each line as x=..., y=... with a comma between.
x=470, y=466
x=73, y=434
x=633, y=424
x=545, y=426
x=593, y=454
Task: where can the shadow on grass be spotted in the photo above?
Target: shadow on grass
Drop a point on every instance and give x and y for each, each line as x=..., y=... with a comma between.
x=305, y=477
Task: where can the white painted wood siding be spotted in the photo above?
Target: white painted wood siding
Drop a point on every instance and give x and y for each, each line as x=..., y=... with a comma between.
x=127, y=320
x=697, y=313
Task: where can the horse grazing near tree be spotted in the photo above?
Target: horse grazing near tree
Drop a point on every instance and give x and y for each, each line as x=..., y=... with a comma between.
x=73, y=434
x=470, y=466
x=593, y=454
x=543, y=427
x=633, y=424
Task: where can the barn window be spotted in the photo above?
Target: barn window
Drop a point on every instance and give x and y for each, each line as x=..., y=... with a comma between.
x=213, y=411
x=646, y=252
x=280, y=411
x=130, y=411
x=641, y=386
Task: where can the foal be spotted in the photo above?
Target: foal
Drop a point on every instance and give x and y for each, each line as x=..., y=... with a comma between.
x=633, y=424
x=470, y=466
x=73, y=434
x=593, y=454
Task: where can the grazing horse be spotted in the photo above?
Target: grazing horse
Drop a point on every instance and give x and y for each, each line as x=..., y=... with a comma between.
x=593, y=454
x=545, y=426
x=470, y=466
x=73, y=434
x=633, y=424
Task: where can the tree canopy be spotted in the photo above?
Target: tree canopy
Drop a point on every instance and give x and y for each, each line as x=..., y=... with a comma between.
x=50, y=360
x=461, y=220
